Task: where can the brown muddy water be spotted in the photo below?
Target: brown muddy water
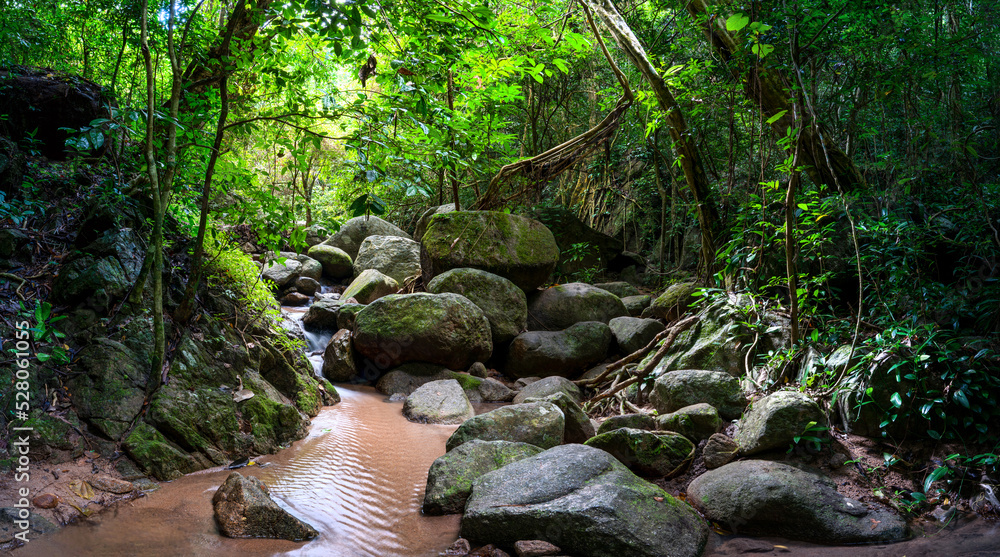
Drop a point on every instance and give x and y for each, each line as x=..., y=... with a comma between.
x=358, y=478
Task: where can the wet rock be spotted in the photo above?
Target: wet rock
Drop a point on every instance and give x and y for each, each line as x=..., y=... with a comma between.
x=322, y=316
x=677, y=389
x=773, y=421
x=445, y=329
x=336, y=262
x=438, y=402
x=338, y=358
x=636, y=304
x=535, y=548
x=111, y=485
x=11, y=522
x=586, y=502
x=619, y=288
x=565, y=305
x=346, y=314
x=565, y=353
x=46, y=501
x=244, y=509
x=578, y=425
x=425, y=219
x=488, y=550
x=353, y=232
x=283, y=273
x=486, y=389
x=773, y=499
x=517, y=248
x=307, y=285
x=719, y=450
x=696, y=422
x=674, y=301
x=449, y=481
x=537, y=423
x=369, y=286
x=310, y=267
x=633, y=333
x=478, y=369
x=460, y=548
x=644, y=452
x=743, y=546
x=548, y=386
x=503, y=303
x=406, y=378
x=393, y=256
x=294, y=299
x=634, y=421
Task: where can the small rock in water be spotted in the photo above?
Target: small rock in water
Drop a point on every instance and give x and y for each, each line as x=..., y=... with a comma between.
x=111, y=485
x=535, y=548
x=244, y=509
x=488, y=551
x=45, y=501
x=294, y=299
x=478, y=370
x=742, y=546
x=460, y=547
x=236, y=464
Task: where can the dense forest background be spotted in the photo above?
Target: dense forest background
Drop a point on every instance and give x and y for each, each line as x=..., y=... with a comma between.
x=837, y=159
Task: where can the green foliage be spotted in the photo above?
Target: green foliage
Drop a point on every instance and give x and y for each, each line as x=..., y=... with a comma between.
x=46, y=339
x=813, y=436
x=235, y=272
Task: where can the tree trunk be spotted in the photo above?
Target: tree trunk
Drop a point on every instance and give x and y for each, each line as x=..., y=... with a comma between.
x=825, y=162
x=684, y=145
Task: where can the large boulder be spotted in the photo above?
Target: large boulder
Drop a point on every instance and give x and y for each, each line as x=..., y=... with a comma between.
x=645, y=452
x=578, y=425
x=565, y=353
x=537, y=423
x=619, y=288
x=310, y=267
x=696, y=422
x=562, y=306
x=677, y=389
x=674, y=301
x=335, y=261
x=45, y=103
x=425, y=219
x=634, y=421
x=322, y=315
x=633, y=333
x=637, y=304
x=438, y=402
x=567, y=229
x=244, y=509
x=549, y=386
x=774, y=499
x=444, y=329
x=774, y=421
x=584, y=501
x=353, y=232
x=408, y=377
x=519, y=249
x=449, y=481
x=98, y=281
x=504, y=304
x=283, y=273
x=338, y=358
x=369, y=286
x=392, y=256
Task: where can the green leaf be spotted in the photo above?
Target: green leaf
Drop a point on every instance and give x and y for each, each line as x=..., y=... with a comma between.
x=776, y=117
x=737, y=22
x=934, y=476
x=896, y=400
x=960, y=398
x=762, y=49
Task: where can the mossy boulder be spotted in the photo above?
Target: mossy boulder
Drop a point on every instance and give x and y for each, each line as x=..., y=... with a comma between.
x=775, y=420
x=445, y=329
x=335, y=261
x=407, y=378
x=449, y=480
x=677, y=389
x=517, y=248
x=425, y=219
x=338, y=358
x=633, y=333
x=565, y=353
x=109, y=394
x=438, y=402
x=96, y=281
x=310, y=268
x=537, y=423
x=549, y=386
x=618, y=288
x=346, y=315
x=283, y=270
x=636, y=304
x=393, y=256
x=755, y=497
x=645, y=452
x=244, y=509
x=633, y=421
x=719, y=450
x=503, y=303
x=674, y=301
x=578, y=425
x=370, y=285
x=157, y=455
x=322, y=315
x=584, y=501
x=696, y=422
x=353, y=232
x=565, y=305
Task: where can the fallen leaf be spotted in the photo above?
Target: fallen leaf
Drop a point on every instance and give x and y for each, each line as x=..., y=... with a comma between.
x=82, y=489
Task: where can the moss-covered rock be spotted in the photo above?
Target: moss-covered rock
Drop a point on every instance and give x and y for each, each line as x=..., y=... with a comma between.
x=98, y=282
x=633, y=333
x=110, y=392
x=311, y=268
x=633, y=421
x=355, y=230
x=674, y=301
x=696, y=422
x=445, y=329
x=774, y=499
x=584, y=501
x=645, y=452
x=774, y=421
x=517, y=248
x=677, y=389
x=283, y=270
x=449, y=480
x=244, y=509
x=549, y=386
x=438, y=402
x=619, y=288
x=578, y=425
x=425, y=219
x=392, y=256
x=565, y=305
x=156, y=455
x=537, y=423
x=369, y=286
x=503, y=303
x=335, y=261
x=636, y=304
x=322, y=315
x=565, y=353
